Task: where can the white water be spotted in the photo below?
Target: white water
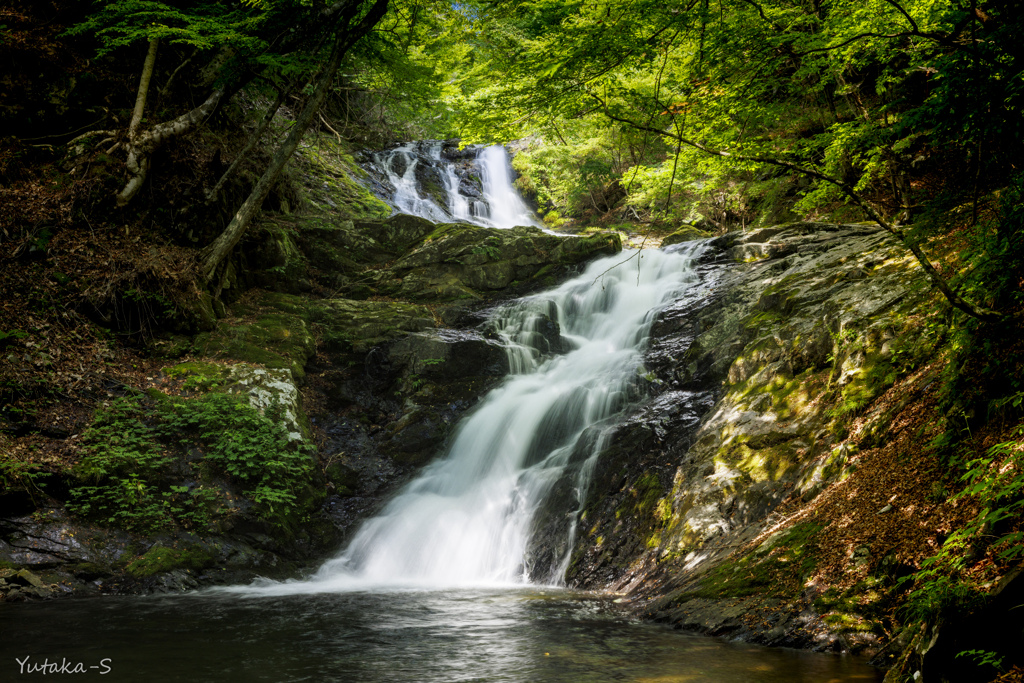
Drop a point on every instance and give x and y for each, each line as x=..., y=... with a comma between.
x=468, y=517
x=407, y=198
x=500, y=205
x=507, y=208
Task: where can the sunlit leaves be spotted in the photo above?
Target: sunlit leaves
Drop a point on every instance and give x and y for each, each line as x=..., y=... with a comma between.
x=202, y=25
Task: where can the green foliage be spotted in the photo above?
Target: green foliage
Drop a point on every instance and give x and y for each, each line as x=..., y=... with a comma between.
x=620, y=97
x=996, y=482
x=131, y=445
x=983, y=658
x=11, y=336
x=201, y=25
x=249, y=447
x=18, y=473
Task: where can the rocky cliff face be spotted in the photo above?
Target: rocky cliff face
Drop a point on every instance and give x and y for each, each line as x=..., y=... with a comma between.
x=694, y=511
x=359, y=337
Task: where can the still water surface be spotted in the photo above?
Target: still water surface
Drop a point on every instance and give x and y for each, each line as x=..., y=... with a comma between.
x=527, y=635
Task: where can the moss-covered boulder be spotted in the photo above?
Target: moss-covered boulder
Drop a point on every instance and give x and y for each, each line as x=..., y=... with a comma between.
x=349, y=325
x=272, y=338
x=467, y=262
x=687, y=233
x=160, y=560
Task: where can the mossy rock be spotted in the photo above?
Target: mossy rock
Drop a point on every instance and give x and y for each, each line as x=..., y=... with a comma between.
x=458, y=261
x=357, y=326
x=159, y=560
x=344, y=478
x=277, y=340
x=333, y=183
x=273, y=259
x=687, y=233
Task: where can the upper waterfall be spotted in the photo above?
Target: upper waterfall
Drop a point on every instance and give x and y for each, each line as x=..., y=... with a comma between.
x=438, y=181
x=469, y=517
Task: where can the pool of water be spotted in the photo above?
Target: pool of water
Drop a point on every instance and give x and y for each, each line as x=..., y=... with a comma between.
x=530, y=635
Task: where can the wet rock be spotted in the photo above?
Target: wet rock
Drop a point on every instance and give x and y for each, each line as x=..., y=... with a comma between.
x=344, y=478
x=450, y=150
x=441, y=355
x=746, y=352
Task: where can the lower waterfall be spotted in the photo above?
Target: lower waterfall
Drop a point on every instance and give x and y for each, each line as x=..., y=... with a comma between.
x=467, y=518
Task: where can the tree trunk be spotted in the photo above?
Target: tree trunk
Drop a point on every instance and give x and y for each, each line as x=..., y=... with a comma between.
x=346, y=36
x=140, y=98
x=253, y=141
x=143, y=145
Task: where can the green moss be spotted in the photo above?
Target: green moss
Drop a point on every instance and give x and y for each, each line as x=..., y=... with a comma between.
x=777, y=569
x=275, y=339
x=445, y=230
x=685, y=234
x=332, y=180
x=857, y=609
x=199, y=375
x=160, y=560
x=648, y=491
x=874, y=379
x=345, y=325
x=766, y=457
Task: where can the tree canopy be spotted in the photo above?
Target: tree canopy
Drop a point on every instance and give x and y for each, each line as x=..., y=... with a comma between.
x=640, y=102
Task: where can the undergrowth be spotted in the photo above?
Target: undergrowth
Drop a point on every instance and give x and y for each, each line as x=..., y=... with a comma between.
x=994, y=481
x=132, y=447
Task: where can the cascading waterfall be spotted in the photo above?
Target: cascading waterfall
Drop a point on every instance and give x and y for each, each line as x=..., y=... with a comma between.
x=467, y=519
x=507, y=208
x=400, y=165
x=479, y=190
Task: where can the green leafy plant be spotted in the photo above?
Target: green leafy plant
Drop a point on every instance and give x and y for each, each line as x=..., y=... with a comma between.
x=130, y=446
x=996, y=481
x=983, y=658
x=11, y=336
x=14, y=473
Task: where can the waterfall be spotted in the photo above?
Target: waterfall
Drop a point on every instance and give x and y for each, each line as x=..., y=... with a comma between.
x=507, y=208
x=475, y=187
x=401, y=164
x=467, y=519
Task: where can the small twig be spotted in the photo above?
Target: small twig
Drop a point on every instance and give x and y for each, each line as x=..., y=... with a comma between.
x=83, y=136
x=329, y=127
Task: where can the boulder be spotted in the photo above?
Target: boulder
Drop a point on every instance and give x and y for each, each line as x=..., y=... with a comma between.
x=687, y=233
x=459, y=261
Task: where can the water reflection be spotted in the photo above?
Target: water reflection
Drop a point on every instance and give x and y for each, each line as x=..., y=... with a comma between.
x=525, y=635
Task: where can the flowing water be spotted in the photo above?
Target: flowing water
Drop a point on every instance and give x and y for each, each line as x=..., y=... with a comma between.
x=422, y=182
x=467, y=519
x=437, y=586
